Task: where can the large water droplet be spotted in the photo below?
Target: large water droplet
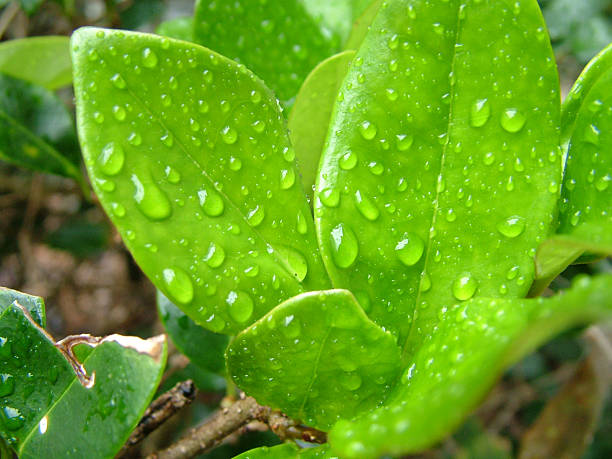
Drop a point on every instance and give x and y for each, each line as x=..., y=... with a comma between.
x=151, y=201
x=344, y=246
x=229, y=135
x=211, y=202
x=603, y=182
x=480, y=113
x=119, y=113
x=13, y=420
x=404, y=141
x=464, y=287
x=512, y=226
x=348, y=161
x=410, y=249
x=366, y=206
x=291, y=327
x=179, y=285
x=118, y=81
x=240, y=305
x=512, y=120
x=367, y=130
x=149, y=58
x=256, y=216
x=330, y=197
x=287, y=178
x=172, y=175
x=215, y=256
x=111, y=159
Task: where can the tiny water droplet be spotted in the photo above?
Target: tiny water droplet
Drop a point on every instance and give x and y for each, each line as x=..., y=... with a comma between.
x=291, y=327
x=178, y=284
x=98, y=117
x=7, y=384
x=464, y=287
x=13, y=420
x=345, y=247
x=111, y=159
x=512, y=226
x=410, y=249
x=512, y=120
x=167, y=140
x=301, y=226
x=480, y=112
x=296, y=261
x=118, y=209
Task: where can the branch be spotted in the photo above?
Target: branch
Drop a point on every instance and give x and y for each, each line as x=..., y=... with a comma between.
x=228, y=420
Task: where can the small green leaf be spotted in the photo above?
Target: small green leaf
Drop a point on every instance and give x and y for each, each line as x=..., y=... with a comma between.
x=36, y=129
x=446, y=160
x=309, y=117
x=281, y=42
x=362, y=25
x=286, y=451
x=35, y=305
x=179, y=28
x=189, y=155
x=203, y=347
x=458, y=363
x=43, y=61
x=317, y=357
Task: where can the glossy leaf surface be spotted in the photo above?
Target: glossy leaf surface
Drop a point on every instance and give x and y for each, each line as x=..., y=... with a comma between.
x=179, y=28
x=36, y=129
x=35, y=305
x=438, y=161
x=44, y=61
x=309, y=117
x=362, y=25
x=189, y=155
x=204, y=348
x=317, y=357
x=281, y=42
x=456, y=365
x=286, y=451
x=42, y=398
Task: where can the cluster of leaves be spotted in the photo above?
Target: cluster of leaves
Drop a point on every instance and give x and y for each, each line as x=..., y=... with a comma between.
x=394, y=291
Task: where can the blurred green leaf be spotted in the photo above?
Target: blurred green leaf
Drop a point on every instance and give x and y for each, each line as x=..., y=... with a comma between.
x=80, y=237
x=179, y=28
x=362, y=25
x=141, y=13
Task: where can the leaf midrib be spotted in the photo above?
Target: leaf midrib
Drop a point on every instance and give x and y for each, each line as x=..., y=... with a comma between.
x=314, y=371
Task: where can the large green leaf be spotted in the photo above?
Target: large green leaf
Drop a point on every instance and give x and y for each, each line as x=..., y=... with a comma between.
x=362, y=25
x=309, y=117
x=35, y=305
x=317, y=357
x=36, y=129
x=204, y=348
x=437, y=146
x=460, y=361
x=44, y=61
x=281, y=42
x=42, y=398
x=286, y=451
x=189, y=155
x=179, y=28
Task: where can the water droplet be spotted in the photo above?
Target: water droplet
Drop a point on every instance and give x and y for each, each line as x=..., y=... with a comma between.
x=410, y=249
x=98, y=117
x=93, y=55
x=404, y=141
x=480, y=113
x=119, y=113
x=603, y=182
x=111, y=159
x=376, y=168
x=575, y=218
x=178, y=284
x=488, y=159
x=464, y=287
x=240, y=305
x=172, y=175
x=330, y=197
x=351, y=381
x=512, y=120
x=118, y=81
x=151, y=201
x=258, y=126
x=13, y=420
x=211, y=202
x=134, y=139
x=229, y=135
x=348, y=161
x=167, y=140
x=393, y=41
x=194, y=125
x=235, y=164
x=512, y=226
x=451, y=216
x=7, y=384
x=256, y=216
x=344, y=246
x=291, y=327
x=591, y=134
x=215, y=256
x=302, y=226
x=295, y=260
x=366, y=206
x=149, y=58
x=425, y=284
x=287, y=178
x=367, y=130
x=118, y=209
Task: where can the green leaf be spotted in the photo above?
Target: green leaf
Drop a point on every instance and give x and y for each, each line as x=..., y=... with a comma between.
x=458, y=363
x=193, y=165
x=203, y=347
x=179, y=28
x=362, y=25
x=438, y=160
x=35, y=305
x=309, y=117
x=317, y=357
x=286, y=451
x=281, y=42
x=36, y=129
x=43, y=61
x=42, y=398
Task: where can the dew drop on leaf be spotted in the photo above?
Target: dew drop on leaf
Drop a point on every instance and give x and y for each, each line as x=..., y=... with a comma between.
x=480, y=112
x=7, y=384
x=118, y=209
x=119, y=113
x=410, y=249
x=287, y=178
x=211, y=203
x=13, y=420
x=366, y=206
x=512, y=120
x=118, y=81
x=256, y=216
x=179, y=285
x=330, y=197
x=403, y=142
x=215, y=255
x=367, y=130
x=464, y=287
x=149, y=58
x=111, y=159
x=301, y=224
x=344, y=246
x=240, y=305
x=151, y=201
x=591, y=134
x=291, y=327
x=172, y=175
x=348, y=161
x=229, y=135
x=511, y=227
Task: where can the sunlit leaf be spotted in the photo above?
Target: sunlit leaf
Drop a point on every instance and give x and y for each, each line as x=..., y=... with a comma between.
x=361, y=25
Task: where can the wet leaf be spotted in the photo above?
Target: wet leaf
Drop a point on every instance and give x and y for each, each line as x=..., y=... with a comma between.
x=41, y=396
x=281, y=42
x=454, y=367
x=309, y=117
x=35, y=305
x=179, y=28
x=317, y=357
x=36, y=129
x=199, y=178
x=43, y=61
x=286, y=451
x=362, y=25
x=204, y=348
x=439, y=161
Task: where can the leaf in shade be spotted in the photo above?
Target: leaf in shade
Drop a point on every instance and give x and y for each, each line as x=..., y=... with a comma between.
x=287, y=451
x=200, y=179
x=35, y=305
x=36, y=130
x=317, y=357
x=43, y=61
x=204, y=348
x=309, y=117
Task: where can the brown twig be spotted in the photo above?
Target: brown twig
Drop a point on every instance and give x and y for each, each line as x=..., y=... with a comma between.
x=160, y=410
x=228, y=420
